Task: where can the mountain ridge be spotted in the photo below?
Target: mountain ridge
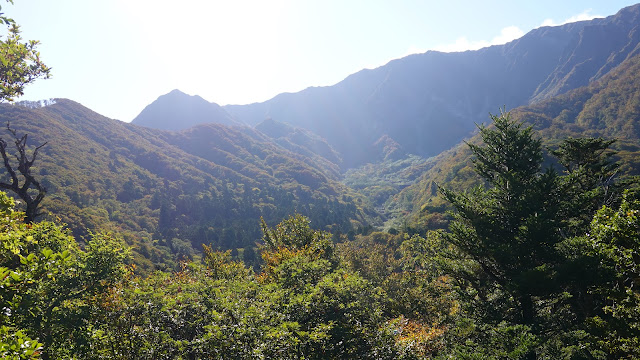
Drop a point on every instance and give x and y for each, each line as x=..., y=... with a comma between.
x=168, y=192
x=428, y=102
x=608, y=107
x=177, y=110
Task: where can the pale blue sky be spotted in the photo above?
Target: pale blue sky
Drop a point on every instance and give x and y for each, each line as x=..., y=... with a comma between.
x=117, y=56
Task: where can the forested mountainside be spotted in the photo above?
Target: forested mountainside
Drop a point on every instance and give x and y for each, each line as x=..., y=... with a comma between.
x=428, y=102
x=262, y=243
x=170, y=192
x=177, y=110
x=299, y=140
x=608, y=108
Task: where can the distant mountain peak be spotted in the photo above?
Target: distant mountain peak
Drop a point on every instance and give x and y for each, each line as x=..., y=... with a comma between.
x=429, y=102
x=177, y=110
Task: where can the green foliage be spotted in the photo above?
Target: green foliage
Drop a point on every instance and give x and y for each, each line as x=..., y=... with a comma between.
x=48, y=283
x=510, y=157
x=508, y=229
x=379, y=181
x=419, y=298
x=303, y=305
x=496, y=341
x=169, y=193
x=605, y=109
x=614, y=240
x=221, y=266
x=590, y=180
x=16, y=345
x=20, y=62
x=520, y=270
x=295, y=233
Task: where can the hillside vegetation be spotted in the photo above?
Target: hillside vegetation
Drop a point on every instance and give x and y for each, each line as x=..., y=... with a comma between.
x=168, y=192
x=506, y=280
x=608, y=108
x=335, y=227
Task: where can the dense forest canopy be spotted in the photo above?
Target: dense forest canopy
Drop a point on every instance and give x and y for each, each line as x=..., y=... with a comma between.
x=219, y=242
x=505, y=281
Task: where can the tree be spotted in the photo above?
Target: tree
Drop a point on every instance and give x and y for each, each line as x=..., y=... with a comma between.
x=589, y=181
x=20, y=62
x=25, y=162
x=614, y=240
x=331, y=312
x=303, y=305
x=48, y=285
x=520, y=269
x=507, y=229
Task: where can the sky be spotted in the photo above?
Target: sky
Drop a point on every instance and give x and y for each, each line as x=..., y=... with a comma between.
x=118, y=56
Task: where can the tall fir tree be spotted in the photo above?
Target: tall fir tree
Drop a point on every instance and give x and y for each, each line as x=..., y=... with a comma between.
x=521, y=262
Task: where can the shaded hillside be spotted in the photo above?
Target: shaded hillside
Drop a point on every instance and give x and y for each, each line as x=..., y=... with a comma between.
x=169, y=192
x=298, y=140
x=609, y=108
x=177, y=110
x=381, y=180
x=429, y=102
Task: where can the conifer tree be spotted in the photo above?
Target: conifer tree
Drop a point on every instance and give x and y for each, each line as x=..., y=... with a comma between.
x=522, y=264
x=507, y=228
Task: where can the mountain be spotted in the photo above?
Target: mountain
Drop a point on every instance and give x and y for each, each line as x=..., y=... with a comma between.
x=429, y=102
x=167, y=192
x=608, y=108
x=388, y=148
x=299, y=140
x=177, y=110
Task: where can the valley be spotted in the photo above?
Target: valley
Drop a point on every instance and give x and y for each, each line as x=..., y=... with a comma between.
x=476, y=204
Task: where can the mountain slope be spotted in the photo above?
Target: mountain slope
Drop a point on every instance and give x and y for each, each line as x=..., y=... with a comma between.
x=299, y=140
x=429, y=102
x=609, y=108
x=169, y=192
x=177, y=110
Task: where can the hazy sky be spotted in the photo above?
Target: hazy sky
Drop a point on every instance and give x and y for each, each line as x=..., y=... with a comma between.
x=117, y=56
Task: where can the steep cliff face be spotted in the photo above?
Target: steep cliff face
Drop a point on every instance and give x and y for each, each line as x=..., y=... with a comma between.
x=428, y=102
x=599, y=46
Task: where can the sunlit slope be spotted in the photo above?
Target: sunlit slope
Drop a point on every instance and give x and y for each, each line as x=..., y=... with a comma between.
x=168, y=192
x=609, y=108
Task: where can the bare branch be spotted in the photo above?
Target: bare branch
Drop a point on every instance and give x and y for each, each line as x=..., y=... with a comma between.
x=24, y=168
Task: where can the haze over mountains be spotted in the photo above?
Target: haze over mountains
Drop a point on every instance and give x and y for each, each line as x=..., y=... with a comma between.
x=364, y=220
x=607, y=108
x=168, y=192
x=188, y=172
x=177, y=110
x=428, y=102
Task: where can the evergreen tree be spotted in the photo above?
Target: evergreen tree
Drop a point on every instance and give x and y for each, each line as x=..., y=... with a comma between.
x=589, y=181
x=520, y=267
x=507, y=229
